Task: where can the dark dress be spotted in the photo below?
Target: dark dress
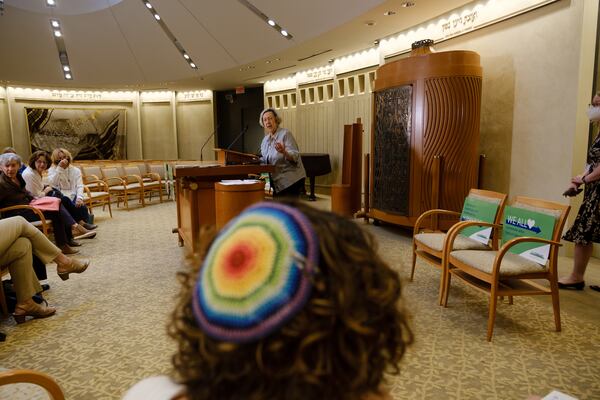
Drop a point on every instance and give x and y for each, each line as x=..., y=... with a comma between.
x=586, y=228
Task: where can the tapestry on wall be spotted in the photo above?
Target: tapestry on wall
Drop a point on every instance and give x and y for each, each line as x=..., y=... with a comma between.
x=88, y=134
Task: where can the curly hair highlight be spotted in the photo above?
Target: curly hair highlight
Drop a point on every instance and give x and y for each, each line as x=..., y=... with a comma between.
x=338, y=346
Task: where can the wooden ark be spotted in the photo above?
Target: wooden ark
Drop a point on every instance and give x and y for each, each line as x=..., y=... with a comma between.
x=425, y=134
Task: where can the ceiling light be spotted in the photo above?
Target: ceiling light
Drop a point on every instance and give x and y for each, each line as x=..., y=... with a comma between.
x=284, y=32
x=271, y=22
x=186, y=56
x=148, y=5
x=57, y=33
x=50, y=3
x=192, y=65
x=388, y=13
x=68, y=76
x=55, y=23
x=369, y=23
x=407, y=4
x=157, y=17
x=66, y=68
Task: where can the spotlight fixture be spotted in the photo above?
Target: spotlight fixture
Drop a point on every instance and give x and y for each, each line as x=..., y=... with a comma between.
x=407, y=4
x=388, y=13
x=271, y=22
x=62, y=50
x=169, y=34
x=50, y=3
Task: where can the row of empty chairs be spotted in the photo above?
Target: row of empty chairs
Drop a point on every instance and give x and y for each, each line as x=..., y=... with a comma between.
x=493, y=258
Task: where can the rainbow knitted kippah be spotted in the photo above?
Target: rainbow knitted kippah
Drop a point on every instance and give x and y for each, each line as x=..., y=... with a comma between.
x=256, y=274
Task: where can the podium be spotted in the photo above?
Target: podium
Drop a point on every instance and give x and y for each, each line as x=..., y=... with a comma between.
x=195, y=196
x=230, y=157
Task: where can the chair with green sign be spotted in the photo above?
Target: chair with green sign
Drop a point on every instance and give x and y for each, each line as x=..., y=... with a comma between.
x=531, y=230
x=429, y=242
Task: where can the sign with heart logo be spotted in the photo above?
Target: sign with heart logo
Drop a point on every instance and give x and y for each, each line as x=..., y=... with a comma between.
x=522, y=222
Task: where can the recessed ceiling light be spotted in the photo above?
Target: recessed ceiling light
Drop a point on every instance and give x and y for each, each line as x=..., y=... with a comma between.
x=50, y=3
x=57, y=33
x=186, y=56
x=157, y=17
x=66, y=68
x=149, y=5
x=407, y=4
x=68, y=76
x=55, y=23
x=192, y=65
x=284, y=32
x=271, y=22
x=369, y=23
x=388, y=13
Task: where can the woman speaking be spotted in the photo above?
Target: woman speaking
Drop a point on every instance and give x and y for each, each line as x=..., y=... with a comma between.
x=279, y=148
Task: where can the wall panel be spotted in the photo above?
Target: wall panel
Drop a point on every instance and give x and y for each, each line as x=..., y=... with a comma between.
x=195, y=125
x=158, y=137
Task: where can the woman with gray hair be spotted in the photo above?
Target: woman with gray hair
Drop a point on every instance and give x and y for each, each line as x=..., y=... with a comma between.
x=279, y=148
x=13, y=192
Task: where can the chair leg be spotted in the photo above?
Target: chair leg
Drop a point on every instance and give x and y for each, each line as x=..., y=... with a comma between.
x=414, y=261
x=555, y=304
x=492, y=314
x=448, y=279
x=3, y=304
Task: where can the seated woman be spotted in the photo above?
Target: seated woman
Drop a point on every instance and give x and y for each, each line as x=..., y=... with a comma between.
x=13, y=192
x=67, y=178
x=289, y=303
x=18, y=241
x=33, y=177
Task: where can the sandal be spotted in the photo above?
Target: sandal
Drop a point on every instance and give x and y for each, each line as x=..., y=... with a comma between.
x=34, y=310
x=76, y=267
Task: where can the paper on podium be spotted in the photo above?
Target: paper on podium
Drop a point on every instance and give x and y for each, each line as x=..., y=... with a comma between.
x=239, y=181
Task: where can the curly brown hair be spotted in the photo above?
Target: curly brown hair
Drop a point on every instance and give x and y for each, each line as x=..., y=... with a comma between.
x=351, y=331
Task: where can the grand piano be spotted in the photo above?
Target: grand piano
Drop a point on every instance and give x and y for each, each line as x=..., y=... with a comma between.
x=315, y=164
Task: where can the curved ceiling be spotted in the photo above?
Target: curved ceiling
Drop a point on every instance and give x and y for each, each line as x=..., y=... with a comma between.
x=119, y=44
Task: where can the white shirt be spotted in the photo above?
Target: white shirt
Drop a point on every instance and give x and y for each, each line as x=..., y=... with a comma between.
x=33, y=182
x=67, y=180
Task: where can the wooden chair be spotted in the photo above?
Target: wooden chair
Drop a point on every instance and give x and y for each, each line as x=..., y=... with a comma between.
x=503, y=272
x=151, y=182
x=43, y=225
x=168, y=183
x=99, y=196
x=33, y=377
x=430, y=243
x=122, y=185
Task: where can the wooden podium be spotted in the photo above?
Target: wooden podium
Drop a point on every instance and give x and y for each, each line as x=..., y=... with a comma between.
x=195, y=196
x=230, y=157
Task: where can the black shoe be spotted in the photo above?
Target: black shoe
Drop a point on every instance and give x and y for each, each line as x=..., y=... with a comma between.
x=595, y=288
x=572, y=286
x=45, y=287
x=89, y=227
x=73, y=243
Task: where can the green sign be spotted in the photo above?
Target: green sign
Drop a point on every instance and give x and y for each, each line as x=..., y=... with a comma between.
x=478, y=210
x=519, y=222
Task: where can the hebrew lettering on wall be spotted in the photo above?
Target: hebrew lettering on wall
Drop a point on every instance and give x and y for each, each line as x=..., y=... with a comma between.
x=88, y=134
x=391, y=163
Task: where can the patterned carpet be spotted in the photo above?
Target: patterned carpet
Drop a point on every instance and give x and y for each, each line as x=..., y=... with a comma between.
x=109, y=330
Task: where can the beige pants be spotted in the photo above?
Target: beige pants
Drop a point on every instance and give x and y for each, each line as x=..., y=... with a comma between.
x=18, y=239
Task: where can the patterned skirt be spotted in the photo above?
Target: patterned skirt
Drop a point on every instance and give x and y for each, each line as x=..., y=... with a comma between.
x=586, y=228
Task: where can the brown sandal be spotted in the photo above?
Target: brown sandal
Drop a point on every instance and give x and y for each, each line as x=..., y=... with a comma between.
x=76, y=267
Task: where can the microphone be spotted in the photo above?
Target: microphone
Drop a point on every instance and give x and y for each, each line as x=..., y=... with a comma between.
x=207, y=140
x=238, y=137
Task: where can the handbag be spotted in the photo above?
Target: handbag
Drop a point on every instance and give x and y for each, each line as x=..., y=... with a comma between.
x=46, y=203
x=55, y=193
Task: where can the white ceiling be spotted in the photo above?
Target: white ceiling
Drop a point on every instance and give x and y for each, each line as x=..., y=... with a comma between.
x=118, y=44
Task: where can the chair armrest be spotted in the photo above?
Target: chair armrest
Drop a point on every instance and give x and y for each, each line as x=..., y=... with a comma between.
x=28, y=207
x=135, y=177
x=154, y=176
x=90, y=178
x=114, y=178
x=431, y=213
x=455, y=230
x=504, y=249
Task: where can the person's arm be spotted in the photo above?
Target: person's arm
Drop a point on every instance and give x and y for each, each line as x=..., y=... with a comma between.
x=290, y=148
x=55, y=173
x=33, y=183
x=591, y=176
x=78, y=183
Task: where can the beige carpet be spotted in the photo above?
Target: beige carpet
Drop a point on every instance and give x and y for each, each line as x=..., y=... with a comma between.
x=109, y=331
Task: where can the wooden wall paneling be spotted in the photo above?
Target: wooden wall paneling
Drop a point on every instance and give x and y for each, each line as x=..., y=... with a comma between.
x=157, y=131
x=195, y=125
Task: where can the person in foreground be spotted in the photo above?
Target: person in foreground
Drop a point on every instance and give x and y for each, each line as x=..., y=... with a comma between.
x=586, y=228
x=279, y=148
x=288, y=303
x=18, y=241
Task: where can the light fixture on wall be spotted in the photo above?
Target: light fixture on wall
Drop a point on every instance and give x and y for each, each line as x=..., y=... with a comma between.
x=169, y=34
x=271, y=22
